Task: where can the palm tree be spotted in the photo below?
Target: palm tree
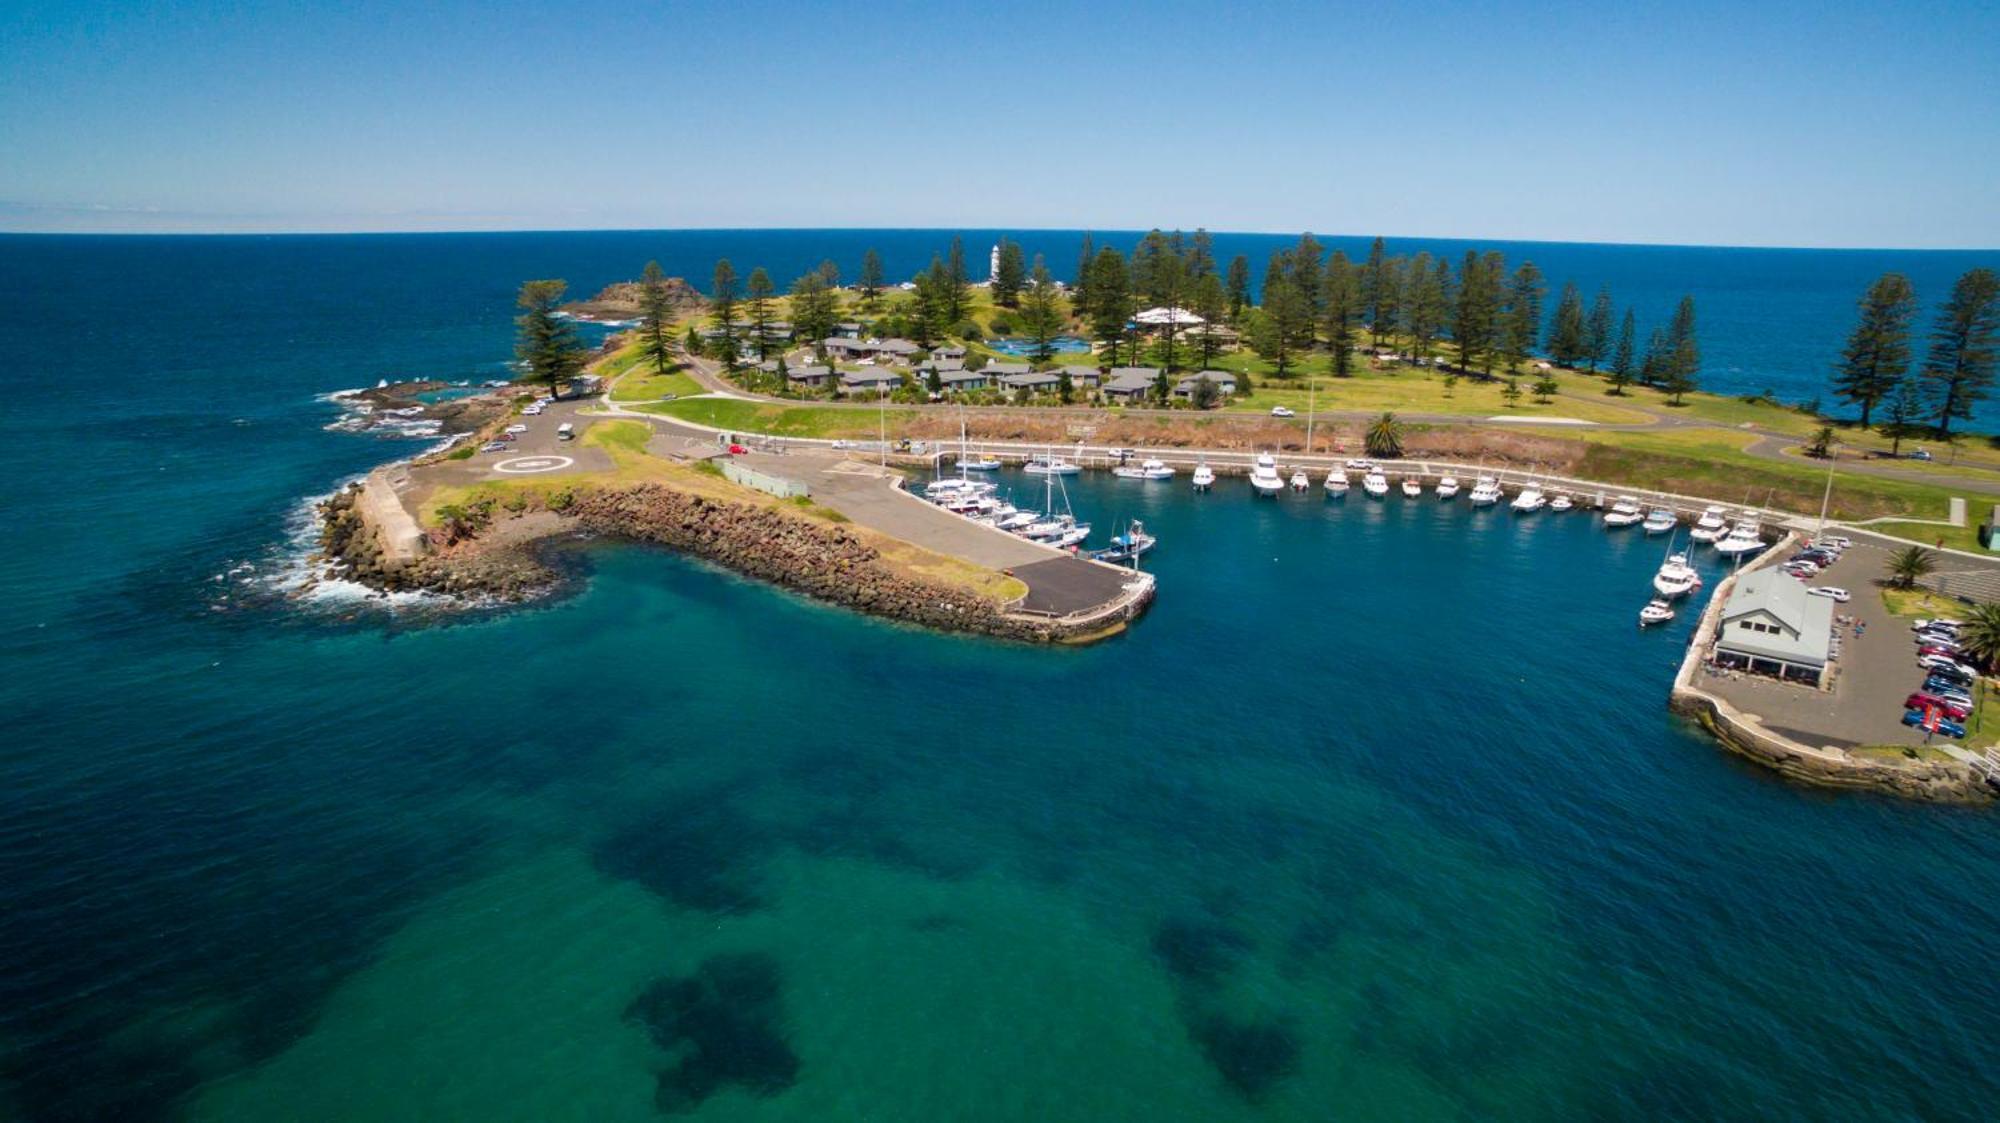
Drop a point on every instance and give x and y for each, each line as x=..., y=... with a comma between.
x=1907, y=565
x=1822, y=443
x=1385, y=437
x=1979, y=636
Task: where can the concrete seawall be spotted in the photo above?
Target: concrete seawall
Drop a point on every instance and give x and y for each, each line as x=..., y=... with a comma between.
x=1743, y=734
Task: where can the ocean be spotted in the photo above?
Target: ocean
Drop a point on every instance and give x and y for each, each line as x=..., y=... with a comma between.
x=1378, y=813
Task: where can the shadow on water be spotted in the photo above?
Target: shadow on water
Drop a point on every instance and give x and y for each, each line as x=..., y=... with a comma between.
x=725, y=1026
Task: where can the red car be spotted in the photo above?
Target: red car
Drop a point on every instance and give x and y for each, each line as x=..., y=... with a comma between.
x=1922, y=701
x=737, y=450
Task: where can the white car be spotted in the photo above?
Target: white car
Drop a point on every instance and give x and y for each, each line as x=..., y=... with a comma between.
x=1830, y=592
x=841, y=444
x=517, y=428
x=1282, y=411
x=1361, y=465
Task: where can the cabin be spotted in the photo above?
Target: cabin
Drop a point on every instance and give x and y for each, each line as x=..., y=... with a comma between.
x=875, y=382
x=847, y=329
x=1771, y=626
x=1083, y=377
x=842, y=347
x=948, y=351
x=897, y=349
x=941, y=365
x=1225, y=383
x=1129, y=384
x=1034, y=382
x=1002, y=370
x=813, y=377
x=958, y=380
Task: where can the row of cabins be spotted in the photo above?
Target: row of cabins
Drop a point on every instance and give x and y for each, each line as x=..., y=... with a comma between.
x=1125, y=384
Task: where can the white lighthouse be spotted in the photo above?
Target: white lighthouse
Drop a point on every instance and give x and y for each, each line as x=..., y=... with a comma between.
x=993, y=265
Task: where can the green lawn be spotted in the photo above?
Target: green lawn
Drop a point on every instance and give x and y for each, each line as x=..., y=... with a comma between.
x=1417, y=391
x=781, y=420
x=1955, y=537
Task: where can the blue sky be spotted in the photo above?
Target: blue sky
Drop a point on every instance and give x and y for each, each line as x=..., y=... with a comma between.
x=1827, y=124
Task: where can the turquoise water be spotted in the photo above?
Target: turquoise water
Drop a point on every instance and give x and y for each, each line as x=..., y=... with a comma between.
x=1027, y=346
x=1379, y=813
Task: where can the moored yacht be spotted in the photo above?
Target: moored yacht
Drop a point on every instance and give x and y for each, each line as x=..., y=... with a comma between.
x=1300, y=481
x=1375, y=483
x=1447, y=487
x=984, y=462
x=1656, y=611
x=1411, y=488
x=1529, y=498
x=1676, y=577
x=1145, y=470
x=1624, y=511
x=1659, y=520
x=1204, y=476
x=1712, y=525
x=1745, y=537
x=1128, y=546
x=1264, y=475
x=1049, y=464
x=1561, y=503
x=1485, y=491
x=1336, y=482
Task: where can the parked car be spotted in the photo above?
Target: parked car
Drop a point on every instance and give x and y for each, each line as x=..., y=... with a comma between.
x=1830, y=592
x=1920, y=454
x=494, y=446
x=1802, y=570
x=1837, y=541
x=1938, y=683
x=1821, y=558
x=1953, y=708
x=1282, y=411
x=1940, y=622
x=1946, y=665
x=517, y=428
x=1945, y=725
x=1361, y=465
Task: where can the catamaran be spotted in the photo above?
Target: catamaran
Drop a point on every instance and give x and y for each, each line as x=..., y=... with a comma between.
x=1336, y=482
x=1146, y=470
x=1713, y=524
x=1204, y=476
x=1447, y=487
x=1485, y=491
x=1659, y=520
x=1529, y=499
x=1624, y=512
x=1264, y=475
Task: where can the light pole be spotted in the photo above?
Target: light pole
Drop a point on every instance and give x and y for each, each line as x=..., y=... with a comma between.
x=1826, y=498
x=1312, y=399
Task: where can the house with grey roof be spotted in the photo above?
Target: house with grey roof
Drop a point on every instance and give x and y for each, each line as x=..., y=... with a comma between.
x=1130, y=384
x=813, y=377
x=1034, y=382
x=897, y=348
x=958, y=380
x=1770, y=624
x=1083, y=377
x=941, y=365
x=869, y=381
x=1000, y=370
x=948, y=351
x=1225, y=383
x=841, y=347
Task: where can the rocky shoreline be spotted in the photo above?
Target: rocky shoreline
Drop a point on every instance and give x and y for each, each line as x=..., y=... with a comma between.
x=500, y=560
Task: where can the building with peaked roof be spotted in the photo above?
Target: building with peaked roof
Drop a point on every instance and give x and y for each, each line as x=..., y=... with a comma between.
x=1225, y=383
x=958, y=379
x=1770, y=624
x=869, y=381
x=812, y=376
x=1129, y=384
x=1034, y=382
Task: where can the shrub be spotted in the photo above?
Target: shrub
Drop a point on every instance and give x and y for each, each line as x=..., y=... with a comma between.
x=462, y=452
x=968, y=329
x=562, y=500
x=1002, y=326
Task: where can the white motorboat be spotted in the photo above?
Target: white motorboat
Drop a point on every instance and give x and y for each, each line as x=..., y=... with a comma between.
x=1300, y=481
x=1656, y=611
x=1336, y=482
x=1049, y=464
x=1529, y=499
x=1447, y=487
x=1561, y=503
x=1145, y=470
x=1018, y=520
x=1745, y=537
x=1375, y=483
x=1676, y=577
x=1204, y=476
x=1129, y=546
x=1712, y=524
x=1485, y=491
x=981, y=463
x=1411, y=488
x=1659, y=520
x=1625, y=511
x=1264, y=475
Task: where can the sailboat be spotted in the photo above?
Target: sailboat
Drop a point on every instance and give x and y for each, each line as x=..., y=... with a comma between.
x=1129, y=546
x=984, y=463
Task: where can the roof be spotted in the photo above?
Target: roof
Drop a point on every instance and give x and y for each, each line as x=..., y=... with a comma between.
x=1167, y=316
x=942, y=365
x=957, y=375
x=1222, y=379
x=898, y=347
x=809, y=372
x=950, y=351
x=1130, y=380
x=842, y=343
x=1079, y=371
x=1030, y=380
x=1008, y=368
x=1791, y=625
x=869, y=377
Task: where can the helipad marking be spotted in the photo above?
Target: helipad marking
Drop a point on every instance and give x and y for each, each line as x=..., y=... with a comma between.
x=521, y=465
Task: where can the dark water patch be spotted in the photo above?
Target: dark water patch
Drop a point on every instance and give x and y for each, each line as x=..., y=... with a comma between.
x=870, y=837
x=698, y=853
x=1198, y=952
x=725, y=1023
x=1251, y=1056
x=937, y=922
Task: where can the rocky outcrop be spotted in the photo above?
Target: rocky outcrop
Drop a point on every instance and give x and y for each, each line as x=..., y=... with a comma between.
x=620, y=301
x=352, y=543
x=1932, y=781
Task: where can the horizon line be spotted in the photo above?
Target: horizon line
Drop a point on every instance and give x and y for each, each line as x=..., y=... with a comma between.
x=1136, y=231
